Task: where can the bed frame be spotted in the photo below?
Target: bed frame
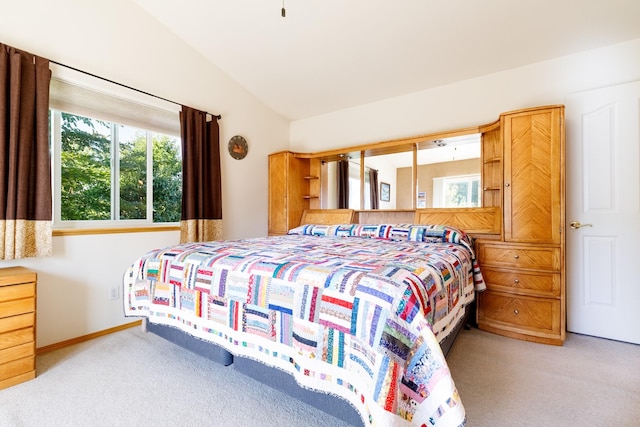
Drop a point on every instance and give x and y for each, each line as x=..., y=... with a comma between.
x=478, y=222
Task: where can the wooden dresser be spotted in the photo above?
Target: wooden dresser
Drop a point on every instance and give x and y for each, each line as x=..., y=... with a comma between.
x=17, y=326
x=524, y=268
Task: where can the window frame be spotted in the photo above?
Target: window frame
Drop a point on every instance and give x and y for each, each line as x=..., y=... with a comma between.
x=114, y=223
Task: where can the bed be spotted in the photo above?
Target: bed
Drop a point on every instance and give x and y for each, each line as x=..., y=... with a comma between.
x=347, y=317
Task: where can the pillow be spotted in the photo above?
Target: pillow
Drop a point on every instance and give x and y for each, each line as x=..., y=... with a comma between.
x=430, y=233
x=343, y=230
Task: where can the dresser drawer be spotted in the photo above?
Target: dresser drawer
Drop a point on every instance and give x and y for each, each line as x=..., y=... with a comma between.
x=17, y=322
x=19, y=306
x=24, y=290
x=505, y=255
x=520, y=313
x=13, y=338
x=17, y=352
x=519, y=281
x=17, y=367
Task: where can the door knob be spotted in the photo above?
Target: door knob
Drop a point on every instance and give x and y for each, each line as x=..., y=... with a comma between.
x=576, y=225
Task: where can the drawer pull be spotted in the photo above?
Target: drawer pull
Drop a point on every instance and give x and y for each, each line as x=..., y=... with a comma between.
x=516, y=311
x=516, y=256
x=516, y=281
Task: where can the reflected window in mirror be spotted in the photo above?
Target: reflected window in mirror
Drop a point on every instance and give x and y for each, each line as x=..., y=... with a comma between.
x=354, y=184
x=456, y=191
x=447, y=168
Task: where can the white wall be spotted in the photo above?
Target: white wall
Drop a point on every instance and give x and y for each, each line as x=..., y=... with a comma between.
x=115, y=39
x=471, y=102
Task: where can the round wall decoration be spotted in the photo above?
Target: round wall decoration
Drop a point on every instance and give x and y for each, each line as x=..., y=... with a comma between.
x=238, y=147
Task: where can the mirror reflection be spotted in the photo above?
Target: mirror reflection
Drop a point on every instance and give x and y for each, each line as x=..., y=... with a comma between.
x=447, y=175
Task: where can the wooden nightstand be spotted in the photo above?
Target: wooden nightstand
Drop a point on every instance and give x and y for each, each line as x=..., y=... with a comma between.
x=17, y=326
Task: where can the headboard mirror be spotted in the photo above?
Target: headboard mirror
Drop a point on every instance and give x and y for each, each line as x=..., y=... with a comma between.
x=437, y=171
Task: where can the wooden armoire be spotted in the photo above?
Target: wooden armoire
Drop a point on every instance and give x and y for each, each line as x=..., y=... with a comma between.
x=524, y=172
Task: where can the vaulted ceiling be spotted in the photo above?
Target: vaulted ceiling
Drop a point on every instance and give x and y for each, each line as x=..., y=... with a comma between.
x=328, y=55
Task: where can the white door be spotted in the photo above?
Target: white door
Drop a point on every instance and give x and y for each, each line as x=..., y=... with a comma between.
x=603, y=191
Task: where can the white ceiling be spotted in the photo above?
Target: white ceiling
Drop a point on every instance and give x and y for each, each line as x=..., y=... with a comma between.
x=327, y=55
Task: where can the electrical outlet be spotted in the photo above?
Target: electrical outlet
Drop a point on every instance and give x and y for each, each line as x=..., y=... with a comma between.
x=114, y=293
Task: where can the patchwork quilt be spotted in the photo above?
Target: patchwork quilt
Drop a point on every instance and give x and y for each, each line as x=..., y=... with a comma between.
x=351, y=310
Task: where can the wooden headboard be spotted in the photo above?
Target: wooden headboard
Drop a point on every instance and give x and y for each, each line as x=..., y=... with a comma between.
x=474, y=221
x=471, y=220
x=327, y=216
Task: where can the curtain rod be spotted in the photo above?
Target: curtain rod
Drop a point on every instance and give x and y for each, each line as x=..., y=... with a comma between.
x=218, y=116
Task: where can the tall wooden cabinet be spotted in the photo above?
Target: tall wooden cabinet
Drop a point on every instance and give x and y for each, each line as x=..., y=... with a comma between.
x=524, y=268
x=294, y=185
x=17, y=326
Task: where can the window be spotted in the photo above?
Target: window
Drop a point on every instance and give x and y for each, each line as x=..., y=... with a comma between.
x=354, y=187
x=105, y=175
x=456, y=191
x=115, y=162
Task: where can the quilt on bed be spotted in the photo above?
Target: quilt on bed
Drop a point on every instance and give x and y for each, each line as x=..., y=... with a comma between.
x=352, y=310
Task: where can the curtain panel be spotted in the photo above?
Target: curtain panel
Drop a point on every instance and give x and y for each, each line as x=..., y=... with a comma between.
x=373, y=189
x=201, y=177
x=25, y=164
x=343, y=184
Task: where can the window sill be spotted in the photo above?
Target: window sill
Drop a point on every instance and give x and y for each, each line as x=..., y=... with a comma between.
x=113, y=230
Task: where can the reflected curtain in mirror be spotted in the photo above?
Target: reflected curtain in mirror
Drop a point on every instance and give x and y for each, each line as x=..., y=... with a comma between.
x=201, y=177
x=25, y=164
x=373, y=188
x=343, y=184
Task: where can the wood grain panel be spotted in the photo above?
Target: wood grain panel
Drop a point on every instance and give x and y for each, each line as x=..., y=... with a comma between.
x=277, y=193
x=19, y=306
x=17, y=379
x=24, y=290
x=289, y=191
x=16, y=275
x=17, y=352
x=327, y=216
x=533, y=177
x=298, y=169
x=17, y=322
x=519, y=256
x=521, y=313
x=13, y=338
x=471, y=220
x=382, y=216
x=17, y=325
x=17, y=367
x=492, y=168
x=519, y=282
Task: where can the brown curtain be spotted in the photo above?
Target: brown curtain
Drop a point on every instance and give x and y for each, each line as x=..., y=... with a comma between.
x=373, y=188
x=201, y=178
x=25, y=164
x=343, y=184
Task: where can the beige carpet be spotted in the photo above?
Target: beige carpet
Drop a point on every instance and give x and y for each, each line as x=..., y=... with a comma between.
x=587, y=382
x=135, y=379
